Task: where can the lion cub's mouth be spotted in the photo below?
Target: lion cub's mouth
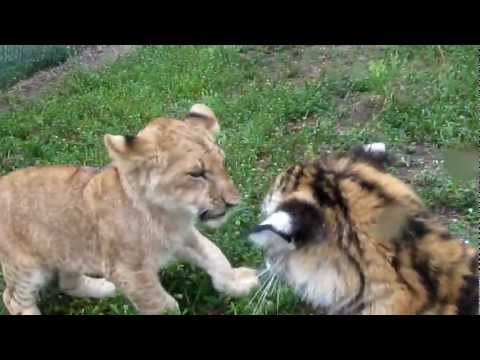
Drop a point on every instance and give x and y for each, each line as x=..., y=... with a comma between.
x=206, y=215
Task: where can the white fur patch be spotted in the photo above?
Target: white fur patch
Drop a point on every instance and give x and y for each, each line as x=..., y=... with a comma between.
x=375, y=147
x=268, y=239
x=280, y=221
x=265, y=239
x=322, y=287
x=94, y=288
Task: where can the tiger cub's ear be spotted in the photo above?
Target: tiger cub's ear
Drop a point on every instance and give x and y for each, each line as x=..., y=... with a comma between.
x=374, y=154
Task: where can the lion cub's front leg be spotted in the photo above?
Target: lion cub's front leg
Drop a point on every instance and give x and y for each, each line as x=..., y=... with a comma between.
x=201, y=252
x=143, y=289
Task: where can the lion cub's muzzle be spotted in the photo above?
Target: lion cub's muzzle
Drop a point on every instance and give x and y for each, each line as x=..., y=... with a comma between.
x=218, y=214
x=213, y=214
x=206, y=215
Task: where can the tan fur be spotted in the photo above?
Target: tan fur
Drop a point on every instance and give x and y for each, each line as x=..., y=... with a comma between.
x=122, y=223
x=383, y=252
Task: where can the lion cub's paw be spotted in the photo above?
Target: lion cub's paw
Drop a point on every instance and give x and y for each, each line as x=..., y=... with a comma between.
x=14, y=308
x=245, y=280
x=171, y=307
x=166, y=306
x=92, y=288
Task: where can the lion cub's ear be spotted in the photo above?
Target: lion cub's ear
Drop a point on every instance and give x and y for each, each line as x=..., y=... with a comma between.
x=202, y=116
x=119, y=146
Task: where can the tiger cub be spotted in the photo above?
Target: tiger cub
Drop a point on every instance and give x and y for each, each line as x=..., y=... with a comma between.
x=350, y=238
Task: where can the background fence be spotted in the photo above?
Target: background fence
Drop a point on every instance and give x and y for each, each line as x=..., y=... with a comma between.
x=18, y=62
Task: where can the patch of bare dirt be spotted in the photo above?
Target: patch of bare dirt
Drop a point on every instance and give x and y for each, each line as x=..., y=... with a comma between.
x=9, y=160
x=3, y=104
x=92, y=57
x=300, y=63
x=358, y=108
x=416, y=158
x=448, y=214
x=264, y=160
x=365, y=109
x=305, y=122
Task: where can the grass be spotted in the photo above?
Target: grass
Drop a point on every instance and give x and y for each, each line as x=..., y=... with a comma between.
x=428, y=98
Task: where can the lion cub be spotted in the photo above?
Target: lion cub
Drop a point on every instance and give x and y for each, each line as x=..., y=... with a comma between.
x=116, y=227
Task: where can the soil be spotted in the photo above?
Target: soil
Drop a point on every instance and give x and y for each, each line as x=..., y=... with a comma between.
x=300, y=63
x=415, y=158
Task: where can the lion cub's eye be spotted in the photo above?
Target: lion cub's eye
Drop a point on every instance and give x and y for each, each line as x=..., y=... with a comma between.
x=197, y=173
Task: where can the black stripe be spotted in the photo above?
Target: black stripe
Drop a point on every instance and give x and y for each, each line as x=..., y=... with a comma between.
x=356, y=242
x=197, y=115
x=346, y=213
x=260, y=228
x=359, y=307
x=290, y=170
x=355, y=305
x=367, y=186
x=429, y=281
x=467, y=303
x=418, y=228
x=323, y=198
x=307, y=221
x=414, y=230
x=129, y=139
x=396, y=266
x=444, y=235
x=319, y=186
x=377, y=159
x=341, y=201
x=298, y=175
x=337, y=200
x=286, y=178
